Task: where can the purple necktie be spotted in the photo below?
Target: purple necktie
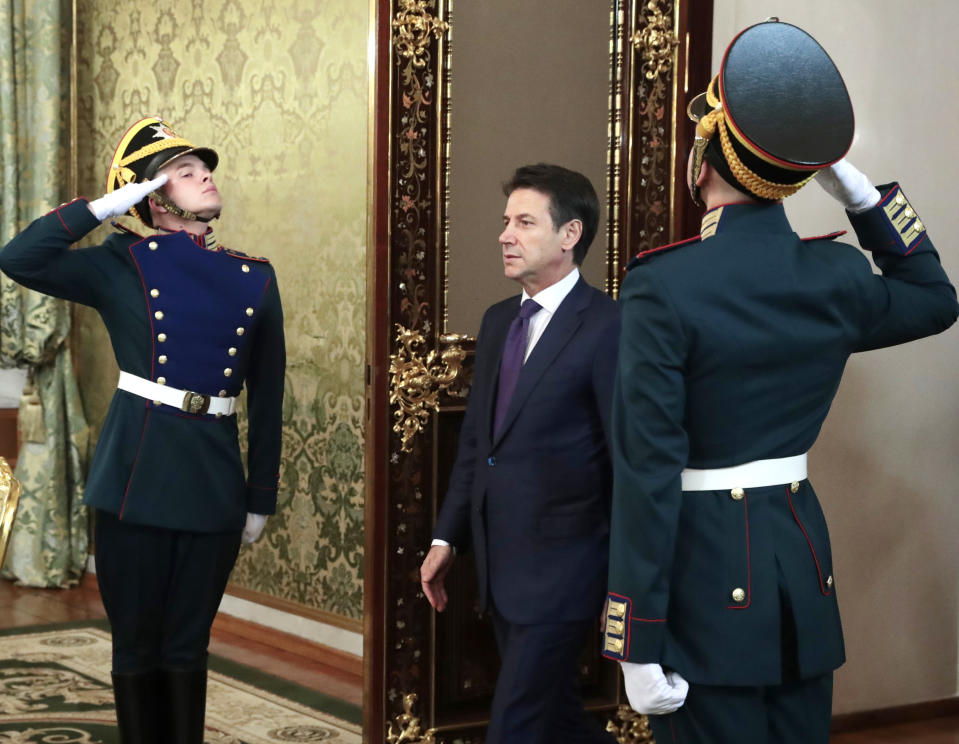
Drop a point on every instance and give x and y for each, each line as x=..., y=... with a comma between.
x=513, y=353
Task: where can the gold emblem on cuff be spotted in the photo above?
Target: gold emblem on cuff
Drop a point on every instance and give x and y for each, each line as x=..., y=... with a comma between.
x=617, y=610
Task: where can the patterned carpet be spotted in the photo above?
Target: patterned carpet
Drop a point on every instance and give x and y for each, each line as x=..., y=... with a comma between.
x=55, y=687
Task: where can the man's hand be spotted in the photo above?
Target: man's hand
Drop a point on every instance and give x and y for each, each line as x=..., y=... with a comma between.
x=433, y=574
x=650, y=691
x=254, y=526
x=117, y=202
x=849, y=186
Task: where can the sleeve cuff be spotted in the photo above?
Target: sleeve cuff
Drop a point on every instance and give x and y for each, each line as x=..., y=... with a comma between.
x=629, y=638
x=261, y=499
x=892, y=226
x=76, y=218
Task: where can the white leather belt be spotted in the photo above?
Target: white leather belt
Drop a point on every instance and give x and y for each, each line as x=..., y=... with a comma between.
x=748, y=475
x=184, y=400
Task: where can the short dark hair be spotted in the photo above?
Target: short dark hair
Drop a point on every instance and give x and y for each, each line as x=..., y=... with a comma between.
x=571, y=197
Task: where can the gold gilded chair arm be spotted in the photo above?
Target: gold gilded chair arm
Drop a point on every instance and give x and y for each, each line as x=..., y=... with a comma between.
x=10, y=489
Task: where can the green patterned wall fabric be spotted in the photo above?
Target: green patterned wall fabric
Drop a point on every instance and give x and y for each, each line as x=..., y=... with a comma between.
x=280, y=89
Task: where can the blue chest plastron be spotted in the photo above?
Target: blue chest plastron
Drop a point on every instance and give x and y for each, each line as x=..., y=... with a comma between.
x=202, y=308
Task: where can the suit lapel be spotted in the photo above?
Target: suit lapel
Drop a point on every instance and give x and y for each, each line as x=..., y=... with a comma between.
x=565, y=322
x=497, y=340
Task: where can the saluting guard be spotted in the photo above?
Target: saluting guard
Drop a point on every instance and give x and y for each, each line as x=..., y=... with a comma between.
x=190, y=322
x=722, y=596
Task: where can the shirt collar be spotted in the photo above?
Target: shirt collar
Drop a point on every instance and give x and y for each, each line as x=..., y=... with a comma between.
x=550, y=298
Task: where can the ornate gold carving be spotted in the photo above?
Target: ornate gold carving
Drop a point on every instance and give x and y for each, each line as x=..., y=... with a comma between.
x=656, y=41
x=415, y=383
x=414, y=25
x=407, y=729
x=629, y=727
x=9, y=500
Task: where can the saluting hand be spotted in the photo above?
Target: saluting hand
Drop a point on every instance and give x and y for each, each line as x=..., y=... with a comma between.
x=849, y=186
x=118, y=202
x=433, y=574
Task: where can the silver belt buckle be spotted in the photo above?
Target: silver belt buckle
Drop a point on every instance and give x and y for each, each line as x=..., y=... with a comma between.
x=195, y=403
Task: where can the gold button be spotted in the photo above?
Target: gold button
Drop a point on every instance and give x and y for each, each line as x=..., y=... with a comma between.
x=219, y=415
x=737, y=494
x=900, y=199
x=154, y=293
x=152, y=245
x=245, y=269
x=249, y=311
x=157, y=403
x=227, y=372
x=161, y=380
x=794, y=487
x=829, y=581
x=162, y=359
x=223, y=393
x=909, y=212
x=161, y=337
x=917, y=226
x=240, y=331
x=738, y=595
x=231, y=351
x=158, y=315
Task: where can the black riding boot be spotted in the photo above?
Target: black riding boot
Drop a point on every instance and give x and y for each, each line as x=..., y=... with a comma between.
x=139, y=702
x=186, y=696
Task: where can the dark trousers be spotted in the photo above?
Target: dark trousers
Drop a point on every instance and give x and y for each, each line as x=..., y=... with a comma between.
x=537, y=696
x=161, y=589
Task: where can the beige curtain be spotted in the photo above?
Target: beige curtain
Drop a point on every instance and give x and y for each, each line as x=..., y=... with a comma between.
x=48, y=546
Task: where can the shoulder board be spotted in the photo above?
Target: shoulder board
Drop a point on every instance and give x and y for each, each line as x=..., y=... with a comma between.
x=827, y=236
x=644, y=255
x=123, y=228
x=245, y=257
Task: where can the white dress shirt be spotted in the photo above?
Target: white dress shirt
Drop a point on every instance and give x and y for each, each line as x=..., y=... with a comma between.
x=549, y=300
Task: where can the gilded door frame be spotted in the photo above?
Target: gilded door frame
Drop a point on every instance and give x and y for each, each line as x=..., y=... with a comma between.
x=413, y=369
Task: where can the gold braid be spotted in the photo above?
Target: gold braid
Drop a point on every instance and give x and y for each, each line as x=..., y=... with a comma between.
x=716, y=119
x=154, y=147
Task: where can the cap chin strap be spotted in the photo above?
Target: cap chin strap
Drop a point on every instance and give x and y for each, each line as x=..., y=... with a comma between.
x=167, y=203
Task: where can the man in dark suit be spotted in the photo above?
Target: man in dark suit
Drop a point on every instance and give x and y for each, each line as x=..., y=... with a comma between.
x=529, y=492
x=733, y=345
x=190, y=322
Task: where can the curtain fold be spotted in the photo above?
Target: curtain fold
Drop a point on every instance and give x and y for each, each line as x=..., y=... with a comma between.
x=48, y=546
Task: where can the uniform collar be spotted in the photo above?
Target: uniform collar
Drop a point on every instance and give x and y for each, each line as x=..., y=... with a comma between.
x=207, y=240
x=743, y=217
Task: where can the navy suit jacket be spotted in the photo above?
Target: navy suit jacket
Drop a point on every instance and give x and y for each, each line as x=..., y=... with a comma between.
x=533, y=502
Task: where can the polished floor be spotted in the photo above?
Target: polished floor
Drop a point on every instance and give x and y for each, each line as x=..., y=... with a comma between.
x=20, y=607
x=23, y=607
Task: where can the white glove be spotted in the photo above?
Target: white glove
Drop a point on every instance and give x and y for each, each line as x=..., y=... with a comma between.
x=118, y=202
x=849, y=186
x=254, y=526
x=650, y=691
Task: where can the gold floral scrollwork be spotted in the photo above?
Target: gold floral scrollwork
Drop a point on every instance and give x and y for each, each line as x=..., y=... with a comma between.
x=407, y=730
x=416, y=383
x=656, y=41
x=629, y=727
x=413, y=27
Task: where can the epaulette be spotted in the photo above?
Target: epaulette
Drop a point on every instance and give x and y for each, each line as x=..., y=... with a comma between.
x=245, y=257
x=827, y=236
x=643, y=255
x=124, y=228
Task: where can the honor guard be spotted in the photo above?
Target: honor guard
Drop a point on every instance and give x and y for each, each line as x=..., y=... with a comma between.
x=722, y=596
x=191, y=323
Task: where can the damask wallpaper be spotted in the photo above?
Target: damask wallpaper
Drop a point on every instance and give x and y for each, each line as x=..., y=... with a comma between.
x=279, y=88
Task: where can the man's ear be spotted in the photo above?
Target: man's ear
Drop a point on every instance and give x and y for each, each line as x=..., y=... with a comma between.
x=154, y=207
x=572, y=232
x=705, y=172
